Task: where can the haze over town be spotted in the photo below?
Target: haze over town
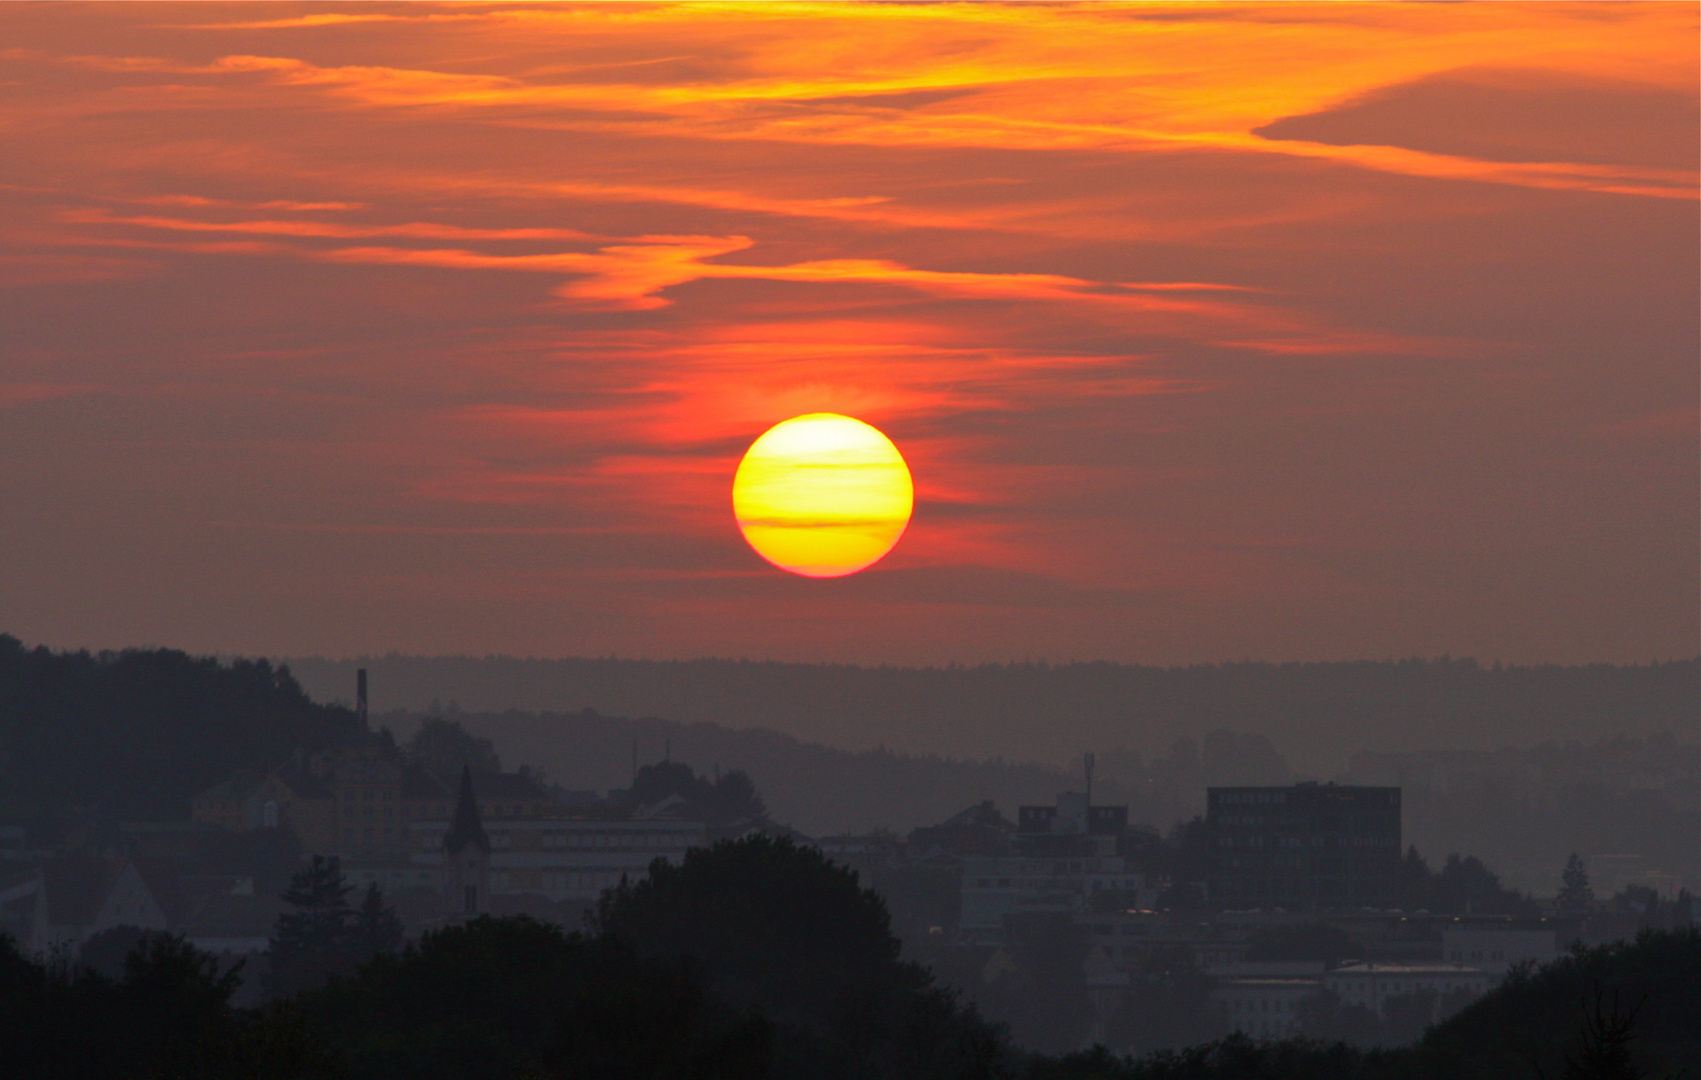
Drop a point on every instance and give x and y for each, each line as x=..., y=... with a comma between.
x=866, y=541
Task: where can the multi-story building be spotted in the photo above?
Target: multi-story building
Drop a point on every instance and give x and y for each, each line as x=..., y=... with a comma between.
x=564, y=858
x=1062, y=857
x=1370, y=986
x=1265, y=1006
x=1496, y=950
x=360, y=803
x=1310, y=847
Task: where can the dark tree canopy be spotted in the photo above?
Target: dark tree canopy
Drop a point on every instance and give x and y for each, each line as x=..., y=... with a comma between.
x=730, y=797
x=140, y=732
x=165, y=1013
x=772, y=921
x=321, y=935
x=1575, y=893
x=497, y=999
x=1462, y=886
x=780, y=929
x=443, y=748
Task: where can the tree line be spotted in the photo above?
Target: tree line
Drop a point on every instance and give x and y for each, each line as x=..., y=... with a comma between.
x=755, y=959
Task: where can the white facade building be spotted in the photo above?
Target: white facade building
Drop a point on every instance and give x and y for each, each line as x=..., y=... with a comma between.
x=1371, y=985
x=996, y=886
x=565, y=859
x=1494, y=951
x=1264, y=1007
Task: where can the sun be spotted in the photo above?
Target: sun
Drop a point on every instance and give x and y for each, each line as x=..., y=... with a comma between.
x=822, y=495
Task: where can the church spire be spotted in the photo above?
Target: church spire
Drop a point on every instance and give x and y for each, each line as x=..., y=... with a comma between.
x=468, y=827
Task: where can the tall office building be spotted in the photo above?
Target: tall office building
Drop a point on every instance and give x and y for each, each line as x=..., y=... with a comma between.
x=1310, y=847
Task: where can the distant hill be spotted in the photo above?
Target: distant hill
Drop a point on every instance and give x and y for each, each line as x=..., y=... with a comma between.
x=817, y=789
x=1319, y=713
x=136, y=734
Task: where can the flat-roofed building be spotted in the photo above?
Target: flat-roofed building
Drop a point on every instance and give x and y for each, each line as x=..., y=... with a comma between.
x=566, y=859
x=1370, y=986
x=1309, y=847
x=1264, y=1006
x=1495, y=951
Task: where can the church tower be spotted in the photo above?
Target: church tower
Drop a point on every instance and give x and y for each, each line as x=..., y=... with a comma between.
x=466, y=855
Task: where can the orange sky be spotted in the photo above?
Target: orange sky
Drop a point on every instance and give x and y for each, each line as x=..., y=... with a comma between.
x=1208, y=331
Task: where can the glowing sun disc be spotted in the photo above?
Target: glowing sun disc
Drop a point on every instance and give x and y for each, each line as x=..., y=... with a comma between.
x=822, y=495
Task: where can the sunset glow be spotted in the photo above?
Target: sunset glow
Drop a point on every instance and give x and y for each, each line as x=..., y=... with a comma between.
x=822, y=495
x=1333, y=329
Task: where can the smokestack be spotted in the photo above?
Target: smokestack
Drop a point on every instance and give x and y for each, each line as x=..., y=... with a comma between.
x=1089, y=762
x=360, y=695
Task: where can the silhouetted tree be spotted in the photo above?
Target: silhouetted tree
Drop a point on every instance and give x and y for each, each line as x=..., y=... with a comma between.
x=1533, y=1018
x=656, y=782
x=779, y=928
x=1603, y=1046
x=165, y=1014
x=731, y=798
x=1462, y=886
x=498, y=999
x=1044, y=1001
x=1574, y=891
x=104, y=953
x=443, y=748
x=1167, y=1006
x=376, y=928
x=311, y=942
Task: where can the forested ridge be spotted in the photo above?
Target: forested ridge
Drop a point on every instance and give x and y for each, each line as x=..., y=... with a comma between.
x=137, y=734
x=1320, y=713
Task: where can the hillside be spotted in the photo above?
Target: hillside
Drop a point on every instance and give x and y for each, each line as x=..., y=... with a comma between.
x=136, y=734
x=1319, y=713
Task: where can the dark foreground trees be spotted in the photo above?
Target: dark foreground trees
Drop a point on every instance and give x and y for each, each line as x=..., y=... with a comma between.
x=1625, y=1011
x=502, y=999
x=321, y=936
x=778, y=928
x=167, y=1014
x=755, y=960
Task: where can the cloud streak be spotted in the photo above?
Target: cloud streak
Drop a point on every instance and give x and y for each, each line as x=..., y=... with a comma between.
x=1183, y=316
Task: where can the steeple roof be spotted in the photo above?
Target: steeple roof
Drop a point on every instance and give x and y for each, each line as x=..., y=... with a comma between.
x=468, y=827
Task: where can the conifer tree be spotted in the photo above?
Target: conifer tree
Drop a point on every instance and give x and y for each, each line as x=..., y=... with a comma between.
x=376, y=928
x=311, y=941
x=1575, y=893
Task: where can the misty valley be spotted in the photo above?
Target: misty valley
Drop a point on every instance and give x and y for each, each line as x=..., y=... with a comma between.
x=238, y=880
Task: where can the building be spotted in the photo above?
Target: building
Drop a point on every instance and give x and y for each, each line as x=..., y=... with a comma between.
x=466, y=855
x=1495, y=950
x=358, y=803
x=64, y=902
x=1265, y=1006
x=554, y=859
x=565, y=859
x=1370, y=986
x=1310, y=847
x=1063, y=857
